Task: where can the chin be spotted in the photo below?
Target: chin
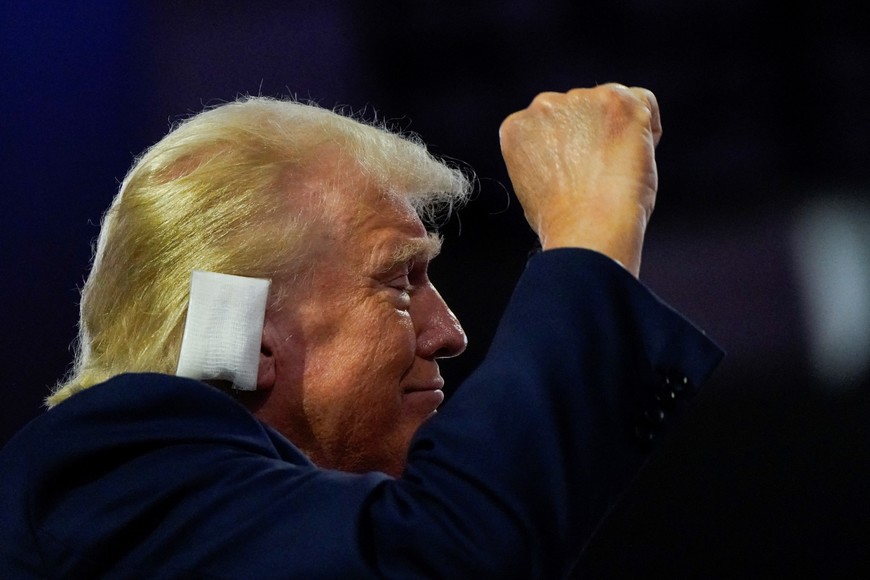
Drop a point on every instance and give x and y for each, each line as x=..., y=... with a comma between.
x=384, y=451
x=392, y=460
x=389, y=461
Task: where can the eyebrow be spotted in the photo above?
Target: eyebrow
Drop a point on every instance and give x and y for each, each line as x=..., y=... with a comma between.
x=417, y=248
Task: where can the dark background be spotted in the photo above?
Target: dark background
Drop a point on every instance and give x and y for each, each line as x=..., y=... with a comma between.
x=761, y=233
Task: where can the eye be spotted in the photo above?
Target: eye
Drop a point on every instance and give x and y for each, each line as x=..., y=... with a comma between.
x=400, y=292
x=401, y=283
x=402, y=276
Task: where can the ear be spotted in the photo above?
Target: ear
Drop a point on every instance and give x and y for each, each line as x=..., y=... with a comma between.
x=267, y=371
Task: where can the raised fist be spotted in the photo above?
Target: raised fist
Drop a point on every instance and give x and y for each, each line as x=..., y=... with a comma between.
x=582, y=164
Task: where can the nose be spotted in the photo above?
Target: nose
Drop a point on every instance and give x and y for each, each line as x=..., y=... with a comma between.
x=439, y=334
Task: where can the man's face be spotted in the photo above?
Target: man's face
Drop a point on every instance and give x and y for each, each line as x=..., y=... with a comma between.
x=356, y=344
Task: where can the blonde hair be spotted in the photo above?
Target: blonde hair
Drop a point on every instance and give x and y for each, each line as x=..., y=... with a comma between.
x=216, y=194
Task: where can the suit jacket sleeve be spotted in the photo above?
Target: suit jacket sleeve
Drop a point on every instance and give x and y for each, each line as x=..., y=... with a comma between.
x=586, y=368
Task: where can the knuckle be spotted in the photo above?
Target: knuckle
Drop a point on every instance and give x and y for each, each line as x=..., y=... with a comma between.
x=622, y=102
x=546, y=100
x=510, y=124
x=510, y=120
x=643, y=114
x=612, y=91
x=578, y=92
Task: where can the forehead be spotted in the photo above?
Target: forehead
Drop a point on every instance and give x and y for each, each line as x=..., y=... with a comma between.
x=364, y=220
x=386, y=229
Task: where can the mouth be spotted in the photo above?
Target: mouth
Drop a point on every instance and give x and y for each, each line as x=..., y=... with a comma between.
x=435, y=384
x=424, y=398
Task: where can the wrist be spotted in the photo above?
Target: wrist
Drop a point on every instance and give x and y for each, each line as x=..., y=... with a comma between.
x=621, y=240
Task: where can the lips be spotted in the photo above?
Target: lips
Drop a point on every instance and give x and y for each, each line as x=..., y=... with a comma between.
x=424, y=398
x=435, y=384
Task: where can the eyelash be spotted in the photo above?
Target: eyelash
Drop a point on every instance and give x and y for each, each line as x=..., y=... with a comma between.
x=402, y=283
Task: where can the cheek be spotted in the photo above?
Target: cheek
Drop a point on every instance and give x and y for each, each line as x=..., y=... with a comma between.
x=394, y=338
x=383, y=344
x=358, y=374
x=359, y=406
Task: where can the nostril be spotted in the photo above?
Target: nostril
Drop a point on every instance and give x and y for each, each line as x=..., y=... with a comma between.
x=444, y=340
x=448, y=352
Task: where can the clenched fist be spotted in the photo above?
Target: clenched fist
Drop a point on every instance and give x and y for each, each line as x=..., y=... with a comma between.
x=583, y=166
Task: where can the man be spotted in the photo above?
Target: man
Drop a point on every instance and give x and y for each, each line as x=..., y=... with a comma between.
x=336, y=465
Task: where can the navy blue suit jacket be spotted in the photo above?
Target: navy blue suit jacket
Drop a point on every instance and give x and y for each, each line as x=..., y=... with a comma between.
x=152, y=476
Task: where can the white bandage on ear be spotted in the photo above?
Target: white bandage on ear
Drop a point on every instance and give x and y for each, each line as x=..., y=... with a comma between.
x=224, y=329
